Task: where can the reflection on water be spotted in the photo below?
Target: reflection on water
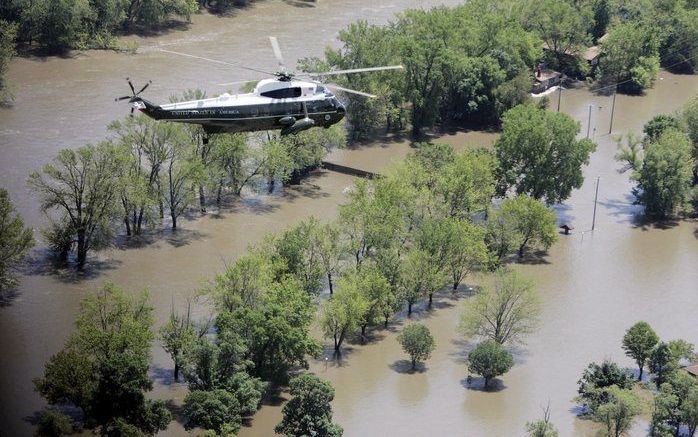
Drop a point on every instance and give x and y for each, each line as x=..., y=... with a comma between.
x=593, y=286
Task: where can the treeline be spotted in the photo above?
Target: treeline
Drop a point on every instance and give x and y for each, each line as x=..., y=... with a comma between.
x=608, y=394
x=147, y=171
x=426, y=225
x=59, y=25
x=469, y=64
x=664, y=163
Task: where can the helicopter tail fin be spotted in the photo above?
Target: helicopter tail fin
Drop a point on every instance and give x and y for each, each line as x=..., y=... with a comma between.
x=145, y=106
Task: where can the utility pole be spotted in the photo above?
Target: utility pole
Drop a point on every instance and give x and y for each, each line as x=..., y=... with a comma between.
x=559, y=97
x=613, y=108
x=596, y=196
x=589, y=121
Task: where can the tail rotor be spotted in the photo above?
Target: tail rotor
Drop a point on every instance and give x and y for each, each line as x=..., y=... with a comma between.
x=134, y=96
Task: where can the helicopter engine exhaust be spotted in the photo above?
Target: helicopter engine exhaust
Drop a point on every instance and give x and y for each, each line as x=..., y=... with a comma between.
x=300, y=125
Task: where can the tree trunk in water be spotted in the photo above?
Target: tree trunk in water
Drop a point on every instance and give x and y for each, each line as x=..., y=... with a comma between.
x=414, y=363
x=639, y=378
x=176, y=372
x=431, y=295
x=162, y=210
x=487, y=382
x=174, y=220
x=139, y=226
x=219, y=194
x=127, y=222
x=329, y=279
x=409, y=309
x=363, y=333
x=82, y=249
x=521, y=248
x=455, y=286
x=336, y=345
x=385, y=323
x=202, y=199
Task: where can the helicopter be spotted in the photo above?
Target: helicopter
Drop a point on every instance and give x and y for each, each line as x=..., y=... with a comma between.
x=288, y=101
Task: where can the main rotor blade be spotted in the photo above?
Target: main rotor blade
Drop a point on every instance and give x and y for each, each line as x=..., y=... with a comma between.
x=133, y=90
x=237, y=82
x=347, y=90
x=357, y=70
x=118, y=99
x=277, y=52
x=144, y=87
x=230, y=64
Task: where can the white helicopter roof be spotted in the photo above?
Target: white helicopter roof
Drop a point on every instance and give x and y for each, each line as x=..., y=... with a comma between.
x=266, y=91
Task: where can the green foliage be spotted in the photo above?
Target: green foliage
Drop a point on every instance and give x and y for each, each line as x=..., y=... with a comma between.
x=539, y=154
x=618, y=413
x=631, y=56
x=489, y=360
x=654, y=128
x=666, y=357
x=664, y=181
x=465, y=64
x=178, y=336
x=562, y=26
x=417, y=342
x=15, y=242
x=243, y=283
x=458, y=246
x=53, y=423
x=296, y=249
x=680, y=49
x=466, y=183
x=519, y=223
x=8, y=35
x=212, y=410
x=420, y=276
x=638, y=342
x=597, y=380
x=276, y=332
x=103, y=369
x=542, y=427
x=505, y=312
x=83, y=185
x=343, y=313
x=309, y=411
x=676, y=405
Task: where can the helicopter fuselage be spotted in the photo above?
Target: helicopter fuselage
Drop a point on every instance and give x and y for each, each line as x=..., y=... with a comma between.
x=289, y=106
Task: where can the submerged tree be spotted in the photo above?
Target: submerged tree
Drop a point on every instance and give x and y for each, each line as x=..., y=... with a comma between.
x=417, y=342
x=103, y=368
x=539, y=154
x=83, y=185
x=309, y=411
x=638, y=343
x=505, y=312
x=489, y=359
x=343, y=314
x=15, y=242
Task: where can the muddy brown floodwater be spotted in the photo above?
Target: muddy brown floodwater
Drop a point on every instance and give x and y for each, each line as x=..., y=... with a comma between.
x=593, y=285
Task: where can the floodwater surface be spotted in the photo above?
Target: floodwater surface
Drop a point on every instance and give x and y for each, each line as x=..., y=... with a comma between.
x=593, y=285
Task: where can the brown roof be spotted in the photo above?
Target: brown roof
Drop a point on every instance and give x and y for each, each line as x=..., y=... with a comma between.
x=592, y=53
x=692, y=370
x=546, y=74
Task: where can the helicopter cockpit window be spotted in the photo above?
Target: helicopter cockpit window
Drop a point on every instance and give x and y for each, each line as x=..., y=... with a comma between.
x=283, y=93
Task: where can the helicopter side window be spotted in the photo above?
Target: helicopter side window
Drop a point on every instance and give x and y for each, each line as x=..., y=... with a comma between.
x=283, y=93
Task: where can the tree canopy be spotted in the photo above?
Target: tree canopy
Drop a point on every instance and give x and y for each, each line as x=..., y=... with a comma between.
x=417, y=342
x=504, y=312
x=103, y=368
x=309, y=411
x=539, y=154
x=15, y=242
x=489, y=359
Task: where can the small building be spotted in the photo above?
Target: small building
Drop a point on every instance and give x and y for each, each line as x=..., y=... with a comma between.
x=545, y=78
x=692, y=370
